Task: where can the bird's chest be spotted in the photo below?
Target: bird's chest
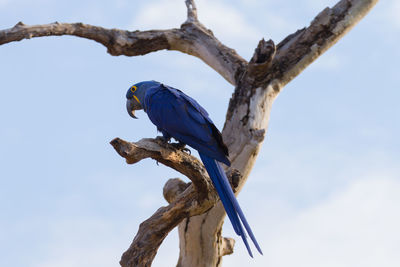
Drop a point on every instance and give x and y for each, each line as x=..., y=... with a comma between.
x=160, y=108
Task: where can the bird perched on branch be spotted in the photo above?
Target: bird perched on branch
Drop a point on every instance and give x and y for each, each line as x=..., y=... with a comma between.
x=179, y=116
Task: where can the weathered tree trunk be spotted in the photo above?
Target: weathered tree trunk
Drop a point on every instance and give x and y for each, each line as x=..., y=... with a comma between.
x=201, y=243
x=249, y=112
x=194, y=207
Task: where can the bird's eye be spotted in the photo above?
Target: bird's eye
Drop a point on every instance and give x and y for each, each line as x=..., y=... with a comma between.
x=133, y=88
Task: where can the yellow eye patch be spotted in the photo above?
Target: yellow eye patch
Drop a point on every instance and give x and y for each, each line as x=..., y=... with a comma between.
x=133, y=89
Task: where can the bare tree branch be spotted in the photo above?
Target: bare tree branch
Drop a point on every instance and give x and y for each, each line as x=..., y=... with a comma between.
x=191, y=11
x=227, y=246
x=300, y=49
x=192, y=38
x=262, y=59
x=118, y=42
x=185, y=200
x=249, y=112
x=173, y=188
x=203, y=44
x=249, y=108
x=166, y=154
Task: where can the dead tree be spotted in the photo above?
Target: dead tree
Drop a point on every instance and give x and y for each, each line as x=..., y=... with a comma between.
x=194, y=207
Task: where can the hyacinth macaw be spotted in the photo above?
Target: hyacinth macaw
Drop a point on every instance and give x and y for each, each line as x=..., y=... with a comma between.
x=179, y=116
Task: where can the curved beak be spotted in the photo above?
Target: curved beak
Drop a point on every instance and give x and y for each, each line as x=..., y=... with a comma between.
x=130, y=108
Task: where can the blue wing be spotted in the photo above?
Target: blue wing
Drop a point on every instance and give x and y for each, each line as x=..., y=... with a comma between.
x=181, y=117
x=178, y=115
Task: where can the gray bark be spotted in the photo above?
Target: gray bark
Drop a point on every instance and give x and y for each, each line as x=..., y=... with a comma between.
x=249, y=111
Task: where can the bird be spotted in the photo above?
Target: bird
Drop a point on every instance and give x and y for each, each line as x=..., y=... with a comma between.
x=177, y=115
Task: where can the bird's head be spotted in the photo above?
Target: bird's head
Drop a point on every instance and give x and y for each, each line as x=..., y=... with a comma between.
x=135, y=96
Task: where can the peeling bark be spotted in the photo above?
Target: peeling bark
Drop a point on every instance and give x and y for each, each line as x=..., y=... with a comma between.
x=192, y=38
x=166, y=154
x=186, y=200
x=249, y=110
x=194, y=206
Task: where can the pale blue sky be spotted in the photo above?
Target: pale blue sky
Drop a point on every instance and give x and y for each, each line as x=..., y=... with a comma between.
x=325, y=190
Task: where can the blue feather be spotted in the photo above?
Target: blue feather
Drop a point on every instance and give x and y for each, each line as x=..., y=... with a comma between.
x=177, y=115
x=225, y=193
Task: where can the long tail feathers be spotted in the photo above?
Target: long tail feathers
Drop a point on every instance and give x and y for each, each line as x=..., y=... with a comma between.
x=229, y=201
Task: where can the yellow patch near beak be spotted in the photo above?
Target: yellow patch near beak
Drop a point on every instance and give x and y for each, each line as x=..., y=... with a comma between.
x=137, y=99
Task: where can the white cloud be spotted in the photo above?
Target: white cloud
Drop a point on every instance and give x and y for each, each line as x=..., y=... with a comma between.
x=227, y=23
x=4, y=2
x=357, y=226
x=160, y=14
x=393, y=13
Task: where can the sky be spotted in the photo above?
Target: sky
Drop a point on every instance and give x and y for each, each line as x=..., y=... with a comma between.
x=325, y=190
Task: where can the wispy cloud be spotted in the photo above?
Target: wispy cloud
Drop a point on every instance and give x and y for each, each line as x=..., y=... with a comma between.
x=356, y=226
x=4, y=2
x=225, y=20
x=160, y=14
x=393, y=13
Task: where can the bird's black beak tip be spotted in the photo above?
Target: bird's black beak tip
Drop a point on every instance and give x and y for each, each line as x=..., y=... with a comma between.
x=132, y=114
x=130, y=109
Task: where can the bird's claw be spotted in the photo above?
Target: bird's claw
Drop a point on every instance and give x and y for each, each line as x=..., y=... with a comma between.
x=181, y=146
x=186, y=150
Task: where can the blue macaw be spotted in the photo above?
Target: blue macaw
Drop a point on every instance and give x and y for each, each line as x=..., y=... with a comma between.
x=179, y=116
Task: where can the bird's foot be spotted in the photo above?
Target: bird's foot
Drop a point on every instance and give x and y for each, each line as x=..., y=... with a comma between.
x=181, y=146
x=162, y=139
